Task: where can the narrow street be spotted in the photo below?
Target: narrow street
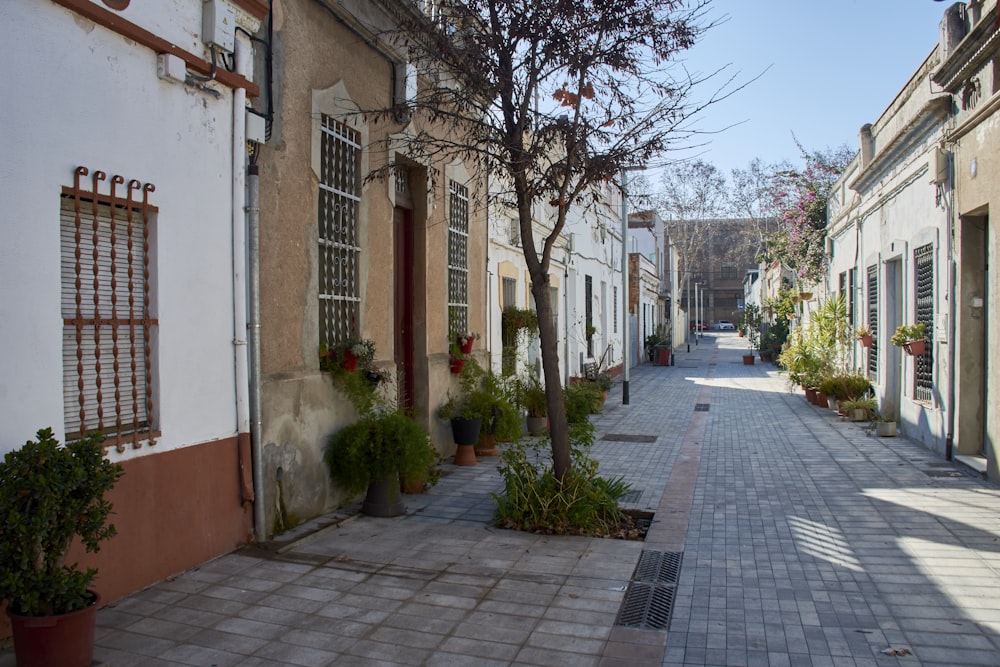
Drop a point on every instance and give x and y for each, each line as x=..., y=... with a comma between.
x=783, y=535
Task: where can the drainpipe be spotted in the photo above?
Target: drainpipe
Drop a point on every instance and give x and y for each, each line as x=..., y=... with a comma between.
x=242, y=61
x=245, y=297
x=950, y=215
x=253, y=327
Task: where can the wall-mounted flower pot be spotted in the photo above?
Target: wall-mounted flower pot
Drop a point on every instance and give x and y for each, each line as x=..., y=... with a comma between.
x=466, y=343
x=456, y=364
x=885, y=429
x=915, y=348
x=805, y=296
x=866, y=340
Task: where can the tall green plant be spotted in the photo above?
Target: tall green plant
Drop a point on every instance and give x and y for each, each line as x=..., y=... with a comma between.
x=49, y=496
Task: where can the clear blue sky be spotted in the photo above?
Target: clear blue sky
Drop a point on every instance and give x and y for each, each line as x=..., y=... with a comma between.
x=834, y=66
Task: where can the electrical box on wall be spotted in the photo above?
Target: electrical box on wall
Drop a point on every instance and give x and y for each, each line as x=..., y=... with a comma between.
x=218, y=28
x=256, y=128
x=170, y=68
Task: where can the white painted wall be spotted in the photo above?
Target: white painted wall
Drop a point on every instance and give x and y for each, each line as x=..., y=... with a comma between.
x=77, y=94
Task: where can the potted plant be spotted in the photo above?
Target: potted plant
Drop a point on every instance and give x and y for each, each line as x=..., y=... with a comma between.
x=911, y=338
x=885, y=427
x=502, y=420
x=751, y=325
x=864, y=334
x=467, y=409
x=51, y=495
x=859, y=409
x=531, y=396
x=370, y=454
x=349, y=355
x=465, y=341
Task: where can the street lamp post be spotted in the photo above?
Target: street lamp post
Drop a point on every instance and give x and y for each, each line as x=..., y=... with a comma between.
x=626, y=329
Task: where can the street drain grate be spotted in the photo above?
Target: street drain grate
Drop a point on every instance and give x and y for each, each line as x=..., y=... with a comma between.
x=646, y=607
x=701, y=407
x=944, y=473
x=659, y=567
x=649, y=598
x=627, y=437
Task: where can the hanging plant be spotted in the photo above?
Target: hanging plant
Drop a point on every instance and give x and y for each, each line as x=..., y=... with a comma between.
x=514, y=320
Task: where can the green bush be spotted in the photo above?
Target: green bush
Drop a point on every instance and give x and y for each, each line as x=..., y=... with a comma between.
x=582, y=400
x=50, y=495
x=534, y=500
x=376, y=446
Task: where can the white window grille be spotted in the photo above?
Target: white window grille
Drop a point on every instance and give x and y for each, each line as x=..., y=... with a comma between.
x=458, y=260
x=107, y=310
x=339, y=247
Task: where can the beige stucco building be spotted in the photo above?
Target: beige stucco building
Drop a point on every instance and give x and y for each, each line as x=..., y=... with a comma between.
x=970, y=44
x=341, y=255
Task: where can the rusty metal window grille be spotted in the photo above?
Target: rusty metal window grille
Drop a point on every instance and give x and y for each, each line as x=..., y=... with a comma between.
x=873, y=320
x=923, y=268
x=339, y=249
x=458, y=261
x=107, y=310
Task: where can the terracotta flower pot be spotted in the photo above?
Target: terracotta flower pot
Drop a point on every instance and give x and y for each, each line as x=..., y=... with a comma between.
x=915, y=348
x=866, y=340
x=66, y=639
x=748, y=359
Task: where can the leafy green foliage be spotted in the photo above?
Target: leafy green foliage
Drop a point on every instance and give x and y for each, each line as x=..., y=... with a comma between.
x=50, y=494
x=378, y=445
x=582, y=399
x=908, y=332
x=534, y=499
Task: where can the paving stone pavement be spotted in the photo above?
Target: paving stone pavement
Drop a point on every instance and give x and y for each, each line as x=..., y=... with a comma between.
x=803, y=540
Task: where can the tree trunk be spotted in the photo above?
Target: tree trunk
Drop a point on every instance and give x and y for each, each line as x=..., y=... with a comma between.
x=549, y=341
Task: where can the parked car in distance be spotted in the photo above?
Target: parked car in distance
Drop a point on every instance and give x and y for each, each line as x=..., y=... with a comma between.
x=700, y=326
x=725, y=325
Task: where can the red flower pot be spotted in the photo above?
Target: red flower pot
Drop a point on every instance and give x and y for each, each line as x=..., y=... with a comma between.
x=466, y=343
x=349, y=362
x=66, y=640
x=456, y=364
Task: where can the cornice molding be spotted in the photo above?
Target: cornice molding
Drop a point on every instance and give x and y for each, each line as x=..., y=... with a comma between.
x=971, y=53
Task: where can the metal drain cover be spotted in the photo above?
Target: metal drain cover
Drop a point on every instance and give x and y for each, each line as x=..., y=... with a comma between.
x=646, y=606
x=626, y=437
x=943, y=473
x=658, y=567
x=701, y=407
x=649, y=598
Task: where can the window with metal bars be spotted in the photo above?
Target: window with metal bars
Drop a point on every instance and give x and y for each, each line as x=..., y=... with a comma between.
x=339, y=248
x=508, y=357
x=923, y=269
x=458, y=260
x=727, y=271
x=108, y=323
x=873, y=320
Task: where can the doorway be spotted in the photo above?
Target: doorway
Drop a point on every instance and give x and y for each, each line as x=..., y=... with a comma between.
x=973, y=432
x=893, y=362
x=403, y=305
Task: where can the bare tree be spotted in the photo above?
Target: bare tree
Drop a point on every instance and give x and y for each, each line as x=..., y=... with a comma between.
x=751, y=197
x=691, y=194
x=552, y=99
